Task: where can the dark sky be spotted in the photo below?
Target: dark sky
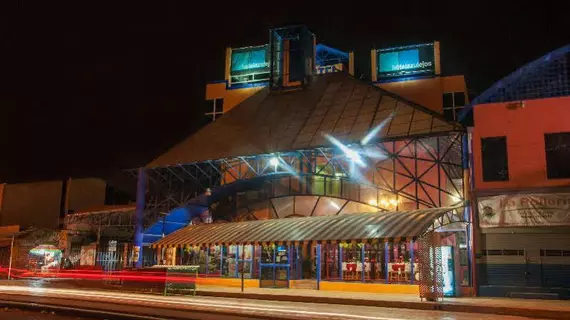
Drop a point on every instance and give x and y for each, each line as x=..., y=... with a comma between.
x=90, y=88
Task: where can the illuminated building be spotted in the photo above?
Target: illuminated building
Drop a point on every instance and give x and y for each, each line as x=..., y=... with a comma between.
x=412, y=72
x=334, y=152
x=520, y=146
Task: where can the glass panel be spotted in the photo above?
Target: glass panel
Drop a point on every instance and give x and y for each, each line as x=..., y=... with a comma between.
x=304, y=205
x=330, y=262
x=333, y=187
x=318, y=185
x=375, y=262
x=328, y=206
x=283, y=206
x=351, y=261
x=400, y=265
x=447, y=100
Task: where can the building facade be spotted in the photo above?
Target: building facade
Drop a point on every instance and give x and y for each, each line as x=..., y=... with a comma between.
x=412, y=72
x=521, y=182
x=315, y=144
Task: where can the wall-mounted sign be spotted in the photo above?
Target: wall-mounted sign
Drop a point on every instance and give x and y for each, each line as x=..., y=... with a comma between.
x=525, y=210
x=250, y=64
x=406, y=61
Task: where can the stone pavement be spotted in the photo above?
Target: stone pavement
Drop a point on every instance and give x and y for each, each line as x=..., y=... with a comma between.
x=534, y=308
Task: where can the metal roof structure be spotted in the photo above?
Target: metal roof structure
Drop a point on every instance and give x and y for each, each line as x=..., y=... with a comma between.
x=545, y=77
x=326, y=55
x=343, y=227
x=278, y=121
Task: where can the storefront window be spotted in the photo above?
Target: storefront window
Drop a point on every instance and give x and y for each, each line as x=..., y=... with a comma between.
x=375, y=262
x=400, y=262
x=234, y=261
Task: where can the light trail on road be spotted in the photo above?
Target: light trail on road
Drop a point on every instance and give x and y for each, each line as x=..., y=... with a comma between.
x=293, y=310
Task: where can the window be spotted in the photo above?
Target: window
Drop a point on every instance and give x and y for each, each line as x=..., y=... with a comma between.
x=215, y=108
x=453, y=103
x=555, y=253
x=495, y=160
x=503, y=252
x=557, y=147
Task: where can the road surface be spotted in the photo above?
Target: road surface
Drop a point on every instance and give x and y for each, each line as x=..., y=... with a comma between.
x=18, y=314
x=160, y=307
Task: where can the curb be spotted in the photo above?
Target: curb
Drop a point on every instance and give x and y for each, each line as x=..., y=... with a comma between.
x=445, y=306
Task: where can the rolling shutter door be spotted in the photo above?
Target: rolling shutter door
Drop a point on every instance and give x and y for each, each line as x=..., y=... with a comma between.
x=525, y=259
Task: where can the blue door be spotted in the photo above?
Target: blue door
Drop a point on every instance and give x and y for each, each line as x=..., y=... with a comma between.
x=275, y=266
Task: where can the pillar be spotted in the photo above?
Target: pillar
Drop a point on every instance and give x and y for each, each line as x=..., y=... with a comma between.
x=351, y=63
x=139, y=216
x=221, y=260
x=412, y=262
x=2, y=186
x=237, y=261
x=362, y=260
x=387, y=258
x=340, y=261
x=318, y=266
x=289, y=259
x=207, y=260
x=373, y=66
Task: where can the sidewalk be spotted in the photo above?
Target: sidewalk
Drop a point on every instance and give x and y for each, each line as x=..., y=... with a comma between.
x=546, y=309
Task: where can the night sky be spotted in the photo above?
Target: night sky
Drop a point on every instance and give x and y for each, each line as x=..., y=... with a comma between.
x=89, y=89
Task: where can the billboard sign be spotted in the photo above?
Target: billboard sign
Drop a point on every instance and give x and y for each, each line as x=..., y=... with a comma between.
x=249, y=64
x=406, y=61
x=525, y=210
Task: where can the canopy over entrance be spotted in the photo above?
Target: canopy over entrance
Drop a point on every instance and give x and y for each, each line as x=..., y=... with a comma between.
x=347, y=227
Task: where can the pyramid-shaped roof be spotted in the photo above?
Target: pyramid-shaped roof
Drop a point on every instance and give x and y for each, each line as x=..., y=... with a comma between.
x=335, y=104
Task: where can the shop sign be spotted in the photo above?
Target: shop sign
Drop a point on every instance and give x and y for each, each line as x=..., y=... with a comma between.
x=112, y=246
x=406, y=61
x=525, y=210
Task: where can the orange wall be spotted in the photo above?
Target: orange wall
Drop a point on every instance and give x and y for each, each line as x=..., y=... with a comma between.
x=232, y=97
x=427, y=92
x=524, y=129
x=215, y=90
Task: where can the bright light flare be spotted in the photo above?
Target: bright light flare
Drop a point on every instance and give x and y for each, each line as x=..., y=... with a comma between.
x=351, y=154
x=274, y=161
x=375, y=131
x=334, y=205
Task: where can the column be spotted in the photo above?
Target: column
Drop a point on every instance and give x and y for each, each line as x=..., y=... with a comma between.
x=237, y=261
x=412, y=262
x=207, y=260
x=221, y=260
x=340, y=261
x=318, y=266
x=139, y=215
x=289, y=256
x=387, y=258
x=362, y=260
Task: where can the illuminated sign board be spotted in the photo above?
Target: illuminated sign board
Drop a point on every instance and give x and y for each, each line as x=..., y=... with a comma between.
x=250, y=64
x=406, y=61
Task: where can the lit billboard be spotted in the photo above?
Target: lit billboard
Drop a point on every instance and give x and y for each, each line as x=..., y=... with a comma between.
x=406, y=61
x=250, y=64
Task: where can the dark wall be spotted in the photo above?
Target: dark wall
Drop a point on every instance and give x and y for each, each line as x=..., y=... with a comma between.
x=32, y=204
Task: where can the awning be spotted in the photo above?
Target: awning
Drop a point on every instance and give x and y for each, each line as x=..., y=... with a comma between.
x=346, y=227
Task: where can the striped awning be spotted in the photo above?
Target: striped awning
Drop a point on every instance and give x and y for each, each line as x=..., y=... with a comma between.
x=346, y=227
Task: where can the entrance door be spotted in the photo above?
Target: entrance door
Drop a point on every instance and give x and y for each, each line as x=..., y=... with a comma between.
x=275, y=267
